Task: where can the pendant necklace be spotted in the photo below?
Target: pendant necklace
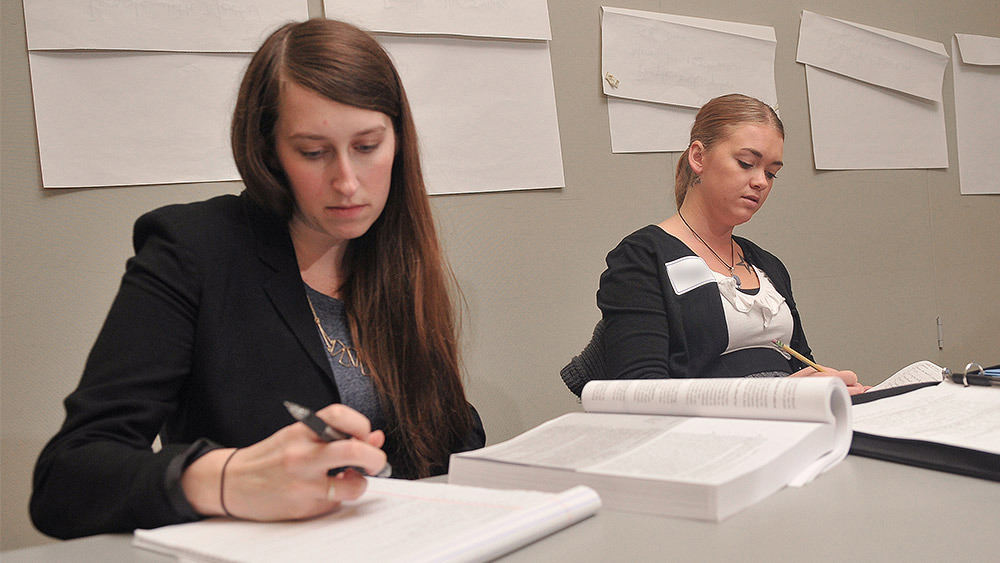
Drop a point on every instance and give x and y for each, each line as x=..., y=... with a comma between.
x=346, y=355
x=732, y=247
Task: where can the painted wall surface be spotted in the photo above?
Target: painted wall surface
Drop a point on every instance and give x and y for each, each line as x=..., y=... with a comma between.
x=876, y=256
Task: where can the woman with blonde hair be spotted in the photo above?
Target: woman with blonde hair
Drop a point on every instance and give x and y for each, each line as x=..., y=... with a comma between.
x=687, y=297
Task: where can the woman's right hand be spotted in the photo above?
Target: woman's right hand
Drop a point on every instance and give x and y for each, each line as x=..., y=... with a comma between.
x=284, y=476
x=850, y=379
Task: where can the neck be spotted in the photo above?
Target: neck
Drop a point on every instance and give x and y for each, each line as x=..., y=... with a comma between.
x=320, y=263
x=714, y=233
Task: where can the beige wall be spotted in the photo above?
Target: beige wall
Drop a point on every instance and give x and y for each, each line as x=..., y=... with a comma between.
x=875, y=256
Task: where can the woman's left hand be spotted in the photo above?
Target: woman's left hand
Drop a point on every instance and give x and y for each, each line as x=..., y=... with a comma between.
x=854, y=387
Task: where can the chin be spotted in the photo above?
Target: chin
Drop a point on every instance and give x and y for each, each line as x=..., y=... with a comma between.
x=351, y=234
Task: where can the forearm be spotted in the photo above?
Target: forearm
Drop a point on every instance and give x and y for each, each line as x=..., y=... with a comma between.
x=636, y=347
x=103, y=487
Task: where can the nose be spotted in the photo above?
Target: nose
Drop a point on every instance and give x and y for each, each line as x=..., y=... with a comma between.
x=759, y=180
x=343, y=177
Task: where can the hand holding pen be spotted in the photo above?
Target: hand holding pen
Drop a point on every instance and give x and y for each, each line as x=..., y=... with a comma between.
x=285, y=476
x=849, y=378
x=326, y=433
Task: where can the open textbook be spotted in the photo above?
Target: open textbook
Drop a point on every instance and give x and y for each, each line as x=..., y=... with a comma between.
x=395, y=520
x=695, y=448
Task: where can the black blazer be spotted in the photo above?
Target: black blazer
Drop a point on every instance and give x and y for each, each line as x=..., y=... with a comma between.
x=209, y=333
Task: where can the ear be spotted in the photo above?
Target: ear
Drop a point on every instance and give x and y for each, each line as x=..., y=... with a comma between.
x=696, y=157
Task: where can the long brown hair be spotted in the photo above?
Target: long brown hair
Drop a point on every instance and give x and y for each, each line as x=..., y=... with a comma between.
x=396, y=288
x=714, y=122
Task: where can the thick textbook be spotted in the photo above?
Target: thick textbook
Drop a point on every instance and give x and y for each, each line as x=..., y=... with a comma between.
x=394, y=520
x=695, y=448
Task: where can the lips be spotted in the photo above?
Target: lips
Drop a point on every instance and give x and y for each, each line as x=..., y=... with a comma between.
x=345, y=211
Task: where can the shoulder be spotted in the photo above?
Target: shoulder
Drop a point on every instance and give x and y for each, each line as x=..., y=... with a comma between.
x=650, y=241
x=217, y=210
x=207, y=235
x=639, y=261
x=215, y=222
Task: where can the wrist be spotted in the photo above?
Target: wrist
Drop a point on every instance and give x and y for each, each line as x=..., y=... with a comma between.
x=202, y=482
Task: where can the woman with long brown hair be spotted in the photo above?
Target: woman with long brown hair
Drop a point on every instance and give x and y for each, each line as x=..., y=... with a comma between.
x=323, y=284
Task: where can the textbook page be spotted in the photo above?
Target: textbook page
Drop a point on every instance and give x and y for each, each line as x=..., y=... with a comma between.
x=817, y=399
x=395, y=520
x=947, y=413
x=774, y=398
x=702, y=450
x=917, y=372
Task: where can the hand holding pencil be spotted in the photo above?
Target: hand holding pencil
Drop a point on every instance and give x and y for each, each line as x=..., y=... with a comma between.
x=849, y=378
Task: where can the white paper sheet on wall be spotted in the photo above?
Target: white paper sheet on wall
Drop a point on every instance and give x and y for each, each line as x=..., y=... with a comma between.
x=485, y=112
x=128, y=118
x=658, y=69
x=874, y=96
x=684, y=61
x=884, y=58
x=976, y=66
x=512, y=19
x=485, y=108
x=156, y=25
x=131, y=92
x=648, y=127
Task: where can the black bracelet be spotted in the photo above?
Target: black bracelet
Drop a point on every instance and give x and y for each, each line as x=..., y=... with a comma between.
x=222, y=485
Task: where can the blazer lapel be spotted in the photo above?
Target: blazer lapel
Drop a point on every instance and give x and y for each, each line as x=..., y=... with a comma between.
x=284, y=285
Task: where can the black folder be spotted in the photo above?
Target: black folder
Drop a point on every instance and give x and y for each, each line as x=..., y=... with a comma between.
x=921, y=453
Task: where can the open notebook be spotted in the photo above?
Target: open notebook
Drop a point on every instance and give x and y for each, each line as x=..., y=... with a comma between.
x=914, y=417
x=394, y=520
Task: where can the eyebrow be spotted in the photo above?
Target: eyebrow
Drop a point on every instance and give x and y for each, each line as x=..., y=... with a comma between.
x=758, y=154
x=317, y=137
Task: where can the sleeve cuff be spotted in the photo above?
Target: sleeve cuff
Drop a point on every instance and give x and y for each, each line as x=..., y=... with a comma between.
x=172, y=479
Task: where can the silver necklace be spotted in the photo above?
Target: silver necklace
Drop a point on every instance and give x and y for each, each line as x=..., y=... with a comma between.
x=732, y=249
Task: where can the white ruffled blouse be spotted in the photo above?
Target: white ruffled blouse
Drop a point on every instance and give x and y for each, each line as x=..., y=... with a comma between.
x=754, y=320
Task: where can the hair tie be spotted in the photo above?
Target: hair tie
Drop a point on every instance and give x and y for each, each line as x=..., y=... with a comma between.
x=222, y=485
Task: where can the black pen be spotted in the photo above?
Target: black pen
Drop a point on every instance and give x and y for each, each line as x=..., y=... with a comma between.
x=327, y=434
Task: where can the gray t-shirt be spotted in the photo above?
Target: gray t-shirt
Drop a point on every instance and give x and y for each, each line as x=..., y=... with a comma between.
x=356, y=388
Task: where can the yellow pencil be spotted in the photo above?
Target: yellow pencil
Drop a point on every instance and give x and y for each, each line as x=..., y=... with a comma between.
x=806, y=360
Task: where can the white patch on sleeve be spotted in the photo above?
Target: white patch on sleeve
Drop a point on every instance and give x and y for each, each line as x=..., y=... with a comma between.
x=688, y=273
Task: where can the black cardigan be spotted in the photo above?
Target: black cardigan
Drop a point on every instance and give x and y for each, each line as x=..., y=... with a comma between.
x=651, y=332
x=209, y=333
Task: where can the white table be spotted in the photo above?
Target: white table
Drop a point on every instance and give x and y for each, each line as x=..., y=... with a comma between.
x=862, y=510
